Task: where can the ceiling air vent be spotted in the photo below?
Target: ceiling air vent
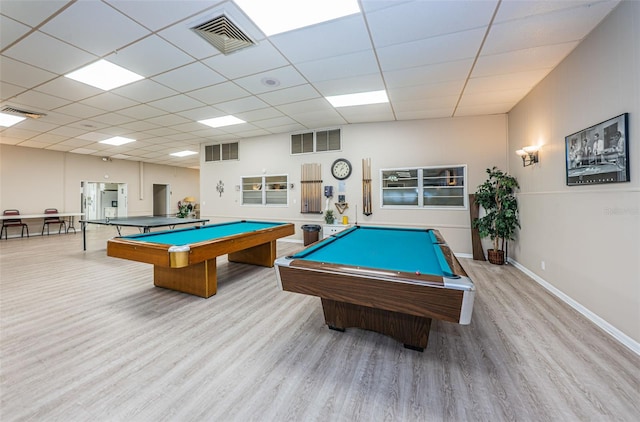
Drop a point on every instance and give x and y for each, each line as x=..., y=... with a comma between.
x=223, y=34
x=25, y=113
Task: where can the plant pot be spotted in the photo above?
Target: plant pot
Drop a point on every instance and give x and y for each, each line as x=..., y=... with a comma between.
x=496, y=257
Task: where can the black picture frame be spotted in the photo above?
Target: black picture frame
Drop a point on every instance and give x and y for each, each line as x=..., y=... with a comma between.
x=599, y=154
x=114, y=204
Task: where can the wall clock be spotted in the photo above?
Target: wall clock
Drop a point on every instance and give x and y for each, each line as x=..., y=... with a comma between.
x=341, y=168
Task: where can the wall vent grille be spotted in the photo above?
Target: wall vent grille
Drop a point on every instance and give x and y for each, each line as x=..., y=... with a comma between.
x=25, y=113
x=223, y=34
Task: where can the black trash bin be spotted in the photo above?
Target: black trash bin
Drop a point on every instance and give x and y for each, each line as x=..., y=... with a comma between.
x=311, y=233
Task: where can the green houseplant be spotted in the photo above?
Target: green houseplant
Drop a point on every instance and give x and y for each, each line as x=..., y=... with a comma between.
x=183, y=210
x=329, y=218
x=497, y=196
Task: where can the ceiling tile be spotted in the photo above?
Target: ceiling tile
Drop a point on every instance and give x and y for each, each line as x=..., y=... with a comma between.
x=345, y=66
x=256, y=59
x=241, y=105
x=45, y=52
x=334, y=38
x=32, y=12
x=176, y=103
x=22, y=74
x=189, y=77
x=219, y=93
x=435, y=73
x=150, y=56
x=364, y=83
x=283, y=77
x=10, y=31
x=98, y=36
x=457, y=46
x=289, y=95
x=562, y=26
x=162, y=13
x=411, y=21
x=543, y=57
x=144, y=91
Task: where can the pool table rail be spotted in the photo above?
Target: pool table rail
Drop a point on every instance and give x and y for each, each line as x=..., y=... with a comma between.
x=423, y=298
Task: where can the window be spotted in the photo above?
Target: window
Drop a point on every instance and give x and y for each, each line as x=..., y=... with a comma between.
x=265, y=190
x=319, y=141
x=221, y=152
x=426, y=187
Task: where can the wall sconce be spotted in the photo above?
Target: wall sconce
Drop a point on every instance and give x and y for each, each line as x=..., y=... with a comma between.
x=529, y=155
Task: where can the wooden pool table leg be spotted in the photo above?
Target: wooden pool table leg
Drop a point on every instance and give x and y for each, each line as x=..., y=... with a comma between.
x=198, y=279
x=263, y=255
x=411, y=330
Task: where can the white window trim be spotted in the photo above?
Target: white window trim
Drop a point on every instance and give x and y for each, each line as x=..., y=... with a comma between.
x=264, y=191
x=420, y=189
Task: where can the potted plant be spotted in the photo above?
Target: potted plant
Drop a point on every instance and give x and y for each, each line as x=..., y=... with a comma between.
x=497, y=196
x=183, y=210
x=329, y=218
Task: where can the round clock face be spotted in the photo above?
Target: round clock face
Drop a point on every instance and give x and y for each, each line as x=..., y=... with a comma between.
x=341, y=169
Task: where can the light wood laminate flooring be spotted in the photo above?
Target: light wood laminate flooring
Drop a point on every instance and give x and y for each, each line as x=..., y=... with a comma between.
x=86, y=337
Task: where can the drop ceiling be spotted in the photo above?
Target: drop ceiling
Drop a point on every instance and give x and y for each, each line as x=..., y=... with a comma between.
x=435, y=59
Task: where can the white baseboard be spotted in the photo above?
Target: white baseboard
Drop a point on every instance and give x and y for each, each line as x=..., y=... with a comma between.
x=627, y=341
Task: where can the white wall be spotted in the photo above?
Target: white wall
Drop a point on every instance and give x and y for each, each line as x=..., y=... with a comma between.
x=478, y=142
x=587, y=236
x=34, y=179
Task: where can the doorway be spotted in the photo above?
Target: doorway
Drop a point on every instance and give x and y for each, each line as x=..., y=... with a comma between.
x=161, y=200
x=99, y=200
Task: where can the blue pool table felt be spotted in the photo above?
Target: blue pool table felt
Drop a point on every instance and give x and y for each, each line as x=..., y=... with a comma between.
x=406, y=250
x=197, y=234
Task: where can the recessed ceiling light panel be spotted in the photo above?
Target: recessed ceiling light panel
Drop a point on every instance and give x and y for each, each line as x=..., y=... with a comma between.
x=104, y=75
x=221, y=121
x=7, y=120
x=117, y=141
x=276, y=16
x=362, y=98
x=183, y=153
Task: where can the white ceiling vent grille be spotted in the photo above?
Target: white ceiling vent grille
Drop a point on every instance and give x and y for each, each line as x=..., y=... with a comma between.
x=223, y=34
x=25, y=113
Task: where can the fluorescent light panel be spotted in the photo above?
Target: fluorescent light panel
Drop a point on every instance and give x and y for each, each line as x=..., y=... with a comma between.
x=183, y=153
x=362, y=98
x=277, y=16
x=117, y=141
x=104, y=75
x=221, y=121
x=7, y=120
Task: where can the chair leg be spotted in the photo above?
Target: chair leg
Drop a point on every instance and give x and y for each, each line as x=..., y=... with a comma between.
x=25, y=227
x=4, y=229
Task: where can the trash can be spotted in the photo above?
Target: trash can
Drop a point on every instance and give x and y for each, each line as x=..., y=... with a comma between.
x=311, y=233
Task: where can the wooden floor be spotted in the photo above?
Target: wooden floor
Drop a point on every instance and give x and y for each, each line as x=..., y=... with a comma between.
x=85, y=337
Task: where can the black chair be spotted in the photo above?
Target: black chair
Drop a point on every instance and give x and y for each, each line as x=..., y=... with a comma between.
x=53, y=220
x=13, y=222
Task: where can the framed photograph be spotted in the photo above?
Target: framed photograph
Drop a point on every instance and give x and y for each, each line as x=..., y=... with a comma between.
x=599, y=154
x=114, y=203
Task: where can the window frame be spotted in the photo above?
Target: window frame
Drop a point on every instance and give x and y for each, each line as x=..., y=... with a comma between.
x=420, y=187
x=263, y=182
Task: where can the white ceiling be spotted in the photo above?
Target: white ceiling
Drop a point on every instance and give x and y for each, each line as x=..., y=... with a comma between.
x=434, y=58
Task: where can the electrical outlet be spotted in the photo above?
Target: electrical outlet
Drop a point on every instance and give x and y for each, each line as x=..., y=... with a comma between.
x=543, y=265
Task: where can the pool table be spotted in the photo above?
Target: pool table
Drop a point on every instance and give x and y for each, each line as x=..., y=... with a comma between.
x=390, y=280
x=185, y=259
